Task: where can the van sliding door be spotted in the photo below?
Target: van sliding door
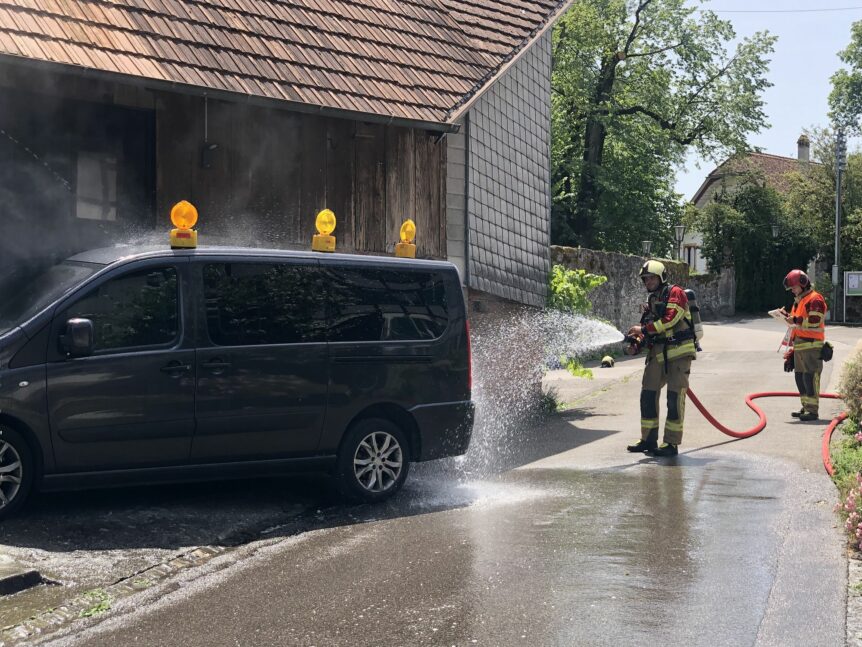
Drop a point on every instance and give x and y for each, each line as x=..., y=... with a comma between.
x=262, y=371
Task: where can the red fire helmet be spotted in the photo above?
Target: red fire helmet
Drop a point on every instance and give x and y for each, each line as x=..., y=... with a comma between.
x=796, y=277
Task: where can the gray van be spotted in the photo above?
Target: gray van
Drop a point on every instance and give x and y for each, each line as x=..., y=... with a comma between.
x=171, y=365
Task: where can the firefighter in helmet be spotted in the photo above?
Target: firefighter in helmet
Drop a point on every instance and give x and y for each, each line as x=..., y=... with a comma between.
x=807, y=337
x=667, y=332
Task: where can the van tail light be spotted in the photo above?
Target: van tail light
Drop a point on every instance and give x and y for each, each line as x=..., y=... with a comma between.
x=469, y=358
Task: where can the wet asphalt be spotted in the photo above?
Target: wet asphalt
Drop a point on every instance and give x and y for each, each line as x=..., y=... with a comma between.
x=567, y=540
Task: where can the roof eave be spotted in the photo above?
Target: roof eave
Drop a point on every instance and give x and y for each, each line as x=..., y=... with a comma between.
x=257, y=100
x=483, y=86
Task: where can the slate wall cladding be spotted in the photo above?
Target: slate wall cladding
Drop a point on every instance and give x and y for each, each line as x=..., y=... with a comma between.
x=620, y=298
x=508, y=182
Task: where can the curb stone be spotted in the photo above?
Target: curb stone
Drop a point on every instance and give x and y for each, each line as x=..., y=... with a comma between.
x=17, y=579
x=52, y=619
x=854, y=600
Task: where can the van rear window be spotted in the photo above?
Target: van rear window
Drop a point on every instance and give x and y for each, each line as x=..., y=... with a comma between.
x=384, y=305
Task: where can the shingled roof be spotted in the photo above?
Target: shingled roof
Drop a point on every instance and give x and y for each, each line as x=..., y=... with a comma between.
x=416, y=60
x=774, y=169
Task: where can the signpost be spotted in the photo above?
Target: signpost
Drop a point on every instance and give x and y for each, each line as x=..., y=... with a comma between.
x=852, y=288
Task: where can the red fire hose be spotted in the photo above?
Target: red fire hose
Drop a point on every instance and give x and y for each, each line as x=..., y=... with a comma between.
x=761, y=423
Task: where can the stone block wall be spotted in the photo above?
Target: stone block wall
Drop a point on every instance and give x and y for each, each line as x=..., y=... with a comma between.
x=619, y=300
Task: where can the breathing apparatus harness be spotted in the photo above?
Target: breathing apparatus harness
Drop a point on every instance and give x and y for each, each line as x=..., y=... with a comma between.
x=648, y=317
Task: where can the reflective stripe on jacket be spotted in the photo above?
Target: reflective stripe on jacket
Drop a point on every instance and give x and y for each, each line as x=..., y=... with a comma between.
x=675, y=320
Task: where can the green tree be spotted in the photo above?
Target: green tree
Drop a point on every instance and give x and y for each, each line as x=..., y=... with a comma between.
x=738, y=231
x=635, y=85
x=845, y=100
x=810, y=202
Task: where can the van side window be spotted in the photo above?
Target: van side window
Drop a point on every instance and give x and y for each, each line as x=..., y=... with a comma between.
x=250, y=304
x=384, y=305
x=131, y=311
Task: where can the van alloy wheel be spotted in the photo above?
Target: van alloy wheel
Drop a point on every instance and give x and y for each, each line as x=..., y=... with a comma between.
x=378, y=461
x=11, y=473
x=17, y=471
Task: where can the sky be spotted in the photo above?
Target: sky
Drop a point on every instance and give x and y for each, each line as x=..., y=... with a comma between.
x=805, y=57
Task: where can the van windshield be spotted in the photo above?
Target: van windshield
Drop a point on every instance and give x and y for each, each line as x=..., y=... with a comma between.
x=24, y=293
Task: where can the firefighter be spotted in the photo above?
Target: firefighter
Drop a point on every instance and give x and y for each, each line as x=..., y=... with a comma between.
x=667, y=332
x=807, y=337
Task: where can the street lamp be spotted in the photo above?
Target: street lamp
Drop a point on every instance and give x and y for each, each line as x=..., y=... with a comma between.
x=679, y=236
x=646, y=247
x=840, y=167
x=775, y=230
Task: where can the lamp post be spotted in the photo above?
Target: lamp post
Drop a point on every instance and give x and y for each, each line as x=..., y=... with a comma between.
x=840, y=166
x=775, y=231
x=679, y=236
x=646, y=247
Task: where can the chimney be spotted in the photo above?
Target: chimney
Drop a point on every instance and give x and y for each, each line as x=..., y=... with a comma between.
x=803, y=148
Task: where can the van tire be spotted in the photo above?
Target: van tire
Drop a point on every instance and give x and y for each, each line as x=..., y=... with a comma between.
x=373, y=449
x=16, y=462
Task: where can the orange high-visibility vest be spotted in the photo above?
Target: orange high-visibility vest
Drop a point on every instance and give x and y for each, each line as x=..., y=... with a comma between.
x=800, y=310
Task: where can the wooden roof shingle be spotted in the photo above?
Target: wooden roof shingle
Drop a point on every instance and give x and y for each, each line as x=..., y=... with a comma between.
x=418, y=60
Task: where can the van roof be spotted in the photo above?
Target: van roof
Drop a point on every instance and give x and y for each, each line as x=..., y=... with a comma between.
x=125, y=253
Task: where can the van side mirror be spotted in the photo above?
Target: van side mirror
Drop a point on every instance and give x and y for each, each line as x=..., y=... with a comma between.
x=78, y=340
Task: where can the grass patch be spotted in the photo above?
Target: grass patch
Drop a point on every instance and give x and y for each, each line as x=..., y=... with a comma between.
x=99, y=601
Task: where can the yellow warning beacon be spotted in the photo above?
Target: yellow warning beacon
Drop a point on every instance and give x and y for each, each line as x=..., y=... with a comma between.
x=406, y=248
x=324, y=241
x=184, y=216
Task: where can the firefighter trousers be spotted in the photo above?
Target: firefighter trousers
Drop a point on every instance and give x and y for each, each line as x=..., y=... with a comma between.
x=654, y=379
x=808, y=365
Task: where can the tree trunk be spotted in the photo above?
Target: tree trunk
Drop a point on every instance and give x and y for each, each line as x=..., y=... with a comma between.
x=589, y=190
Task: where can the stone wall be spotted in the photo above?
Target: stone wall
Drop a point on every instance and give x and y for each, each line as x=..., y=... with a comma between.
x=716, y=293
x=620, y=298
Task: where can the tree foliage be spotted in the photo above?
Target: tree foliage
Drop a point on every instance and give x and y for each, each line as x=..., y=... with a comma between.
x=810, y=202
x=737, y=231
x=636, y=84
x=845, y=100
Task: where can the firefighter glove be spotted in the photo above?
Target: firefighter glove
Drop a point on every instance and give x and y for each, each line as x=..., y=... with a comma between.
x=789, y=364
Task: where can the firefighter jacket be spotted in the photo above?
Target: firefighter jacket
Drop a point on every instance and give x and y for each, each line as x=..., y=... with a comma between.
x=809, y=321
x=670, y=333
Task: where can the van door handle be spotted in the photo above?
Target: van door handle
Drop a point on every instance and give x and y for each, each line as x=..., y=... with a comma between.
x=176, y=367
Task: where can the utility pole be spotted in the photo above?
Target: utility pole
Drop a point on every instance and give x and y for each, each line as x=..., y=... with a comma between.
x=840, y=166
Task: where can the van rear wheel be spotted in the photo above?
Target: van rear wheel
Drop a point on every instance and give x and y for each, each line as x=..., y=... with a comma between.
x=16, y=471
x=373, y=461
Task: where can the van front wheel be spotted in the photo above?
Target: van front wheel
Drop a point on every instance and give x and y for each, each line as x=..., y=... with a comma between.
x=16, y=471
x=373, y=461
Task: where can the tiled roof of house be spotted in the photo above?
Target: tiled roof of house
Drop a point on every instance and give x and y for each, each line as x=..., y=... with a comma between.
x=409, y=59
x=773, y=168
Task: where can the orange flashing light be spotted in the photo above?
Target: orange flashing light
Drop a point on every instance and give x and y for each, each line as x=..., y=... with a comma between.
x=184, y=215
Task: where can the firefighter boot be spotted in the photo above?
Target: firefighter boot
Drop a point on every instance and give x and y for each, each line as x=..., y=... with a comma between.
x=797, y=414
x=665, y=450
x=643, y=446
x=808, y=416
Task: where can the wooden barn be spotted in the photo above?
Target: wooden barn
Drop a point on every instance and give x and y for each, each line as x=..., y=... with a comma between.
x=262, y=113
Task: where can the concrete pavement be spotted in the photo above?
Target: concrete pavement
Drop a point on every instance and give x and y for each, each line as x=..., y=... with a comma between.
x=575, y=541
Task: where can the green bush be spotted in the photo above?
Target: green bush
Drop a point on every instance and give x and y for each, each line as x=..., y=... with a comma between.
x=569, y=289
x=847, y=453
x=846, y=457
x=850, y=386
